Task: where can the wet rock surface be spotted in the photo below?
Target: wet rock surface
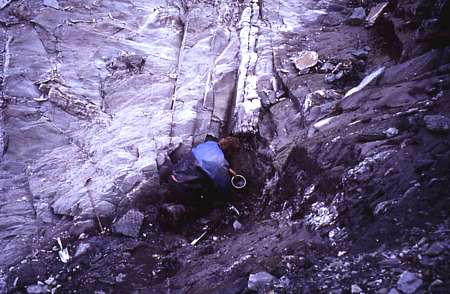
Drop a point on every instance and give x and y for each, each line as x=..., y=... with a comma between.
x=346, y=152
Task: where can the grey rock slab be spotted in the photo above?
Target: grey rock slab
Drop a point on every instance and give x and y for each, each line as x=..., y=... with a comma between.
x=409, y=282
x=259, y=279
x=129, y=224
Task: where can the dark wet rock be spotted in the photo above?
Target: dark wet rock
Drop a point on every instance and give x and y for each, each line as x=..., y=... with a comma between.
x=129, y=224
x=409, y=282
x=358, y=16
x=361, y=53
x=258, y=280
x=437, y=123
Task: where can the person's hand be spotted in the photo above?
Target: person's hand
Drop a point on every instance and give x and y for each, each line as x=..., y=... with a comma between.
x=173, y=178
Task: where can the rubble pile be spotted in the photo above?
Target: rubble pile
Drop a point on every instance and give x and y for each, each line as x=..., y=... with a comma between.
x=342, y=108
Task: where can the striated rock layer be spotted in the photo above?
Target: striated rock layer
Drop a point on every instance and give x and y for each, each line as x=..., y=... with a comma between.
x=346, y=156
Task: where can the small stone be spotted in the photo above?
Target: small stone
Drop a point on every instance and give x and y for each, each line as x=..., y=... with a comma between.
x=129, y=224
x=82, y=249
x=358, y=16
x=313, y=17
x=435, y=286
x=37, y=289
x=237, y=225
x=258, y=280
x=408, y=282
x=391, y=132
x=435, y=249
x=437, y=123
x=393, y=291
x=356, y=289
x=305, y=60
x=327, y=67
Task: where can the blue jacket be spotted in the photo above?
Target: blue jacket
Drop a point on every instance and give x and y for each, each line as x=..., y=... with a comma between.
x=211, y=160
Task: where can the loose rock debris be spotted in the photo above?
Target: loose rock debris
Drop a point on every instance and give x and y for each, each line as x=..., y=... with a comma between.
x=347, y=164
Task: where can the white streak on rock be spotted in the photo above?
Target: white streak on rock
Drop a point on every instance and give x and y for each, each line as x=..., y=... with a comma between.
x=248, y=103
x=366, y=81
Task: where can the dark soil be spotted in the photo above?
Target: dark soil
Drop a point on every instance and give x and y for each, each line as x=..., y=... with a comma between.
x=333, y=209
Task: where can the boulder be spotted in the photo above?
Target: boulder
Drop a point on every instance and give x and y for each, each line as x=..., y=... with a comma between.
x=129, y=224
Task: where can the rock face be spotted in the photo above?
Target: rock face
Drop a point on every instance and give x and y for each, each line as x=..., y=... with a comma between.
x=92, y=93
x=342, y=148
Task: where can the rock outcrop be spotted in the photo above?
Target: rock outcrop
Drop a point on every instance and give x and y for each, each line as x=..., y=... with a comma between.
x=343, y=112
